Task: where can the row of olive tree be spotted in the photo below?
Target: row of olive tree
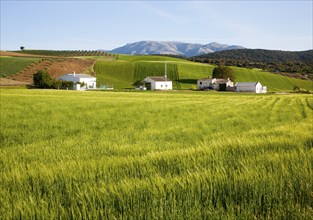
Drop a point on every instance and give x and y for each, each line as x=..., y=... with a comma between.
x=42, y=79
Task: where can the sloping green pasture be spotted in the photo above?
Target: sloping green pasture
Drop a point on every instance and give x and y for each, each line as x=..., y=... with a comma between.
x=129, y=69
x=12, y=65
x=120, y=75
x=123, y=74
x=274, y=82
x=155, y=155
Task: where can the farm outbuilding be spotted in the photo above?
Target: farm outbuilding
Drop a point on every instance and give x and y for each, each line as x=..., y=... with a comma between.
x=255, y=87
x=78, y=79
x=215, y=84
x=157, y=83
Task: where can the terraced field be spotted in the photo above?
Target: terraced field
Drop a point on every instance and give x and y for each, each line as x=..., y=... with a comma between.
x=155, y=155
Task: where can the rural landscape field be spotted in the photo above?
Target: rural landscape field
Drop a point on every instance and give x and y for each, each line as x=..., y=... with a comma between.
x=123, y=71
x=155, y=155
x=156, y=110
x=126, y=70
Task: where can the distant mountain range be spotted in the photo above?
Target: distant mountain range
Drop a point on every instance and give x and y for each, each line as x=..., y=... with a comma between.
x=172, y=48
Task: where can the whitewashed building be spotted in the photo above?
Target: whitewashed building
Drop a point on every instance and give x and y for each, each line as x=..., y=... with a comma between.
x=255, y=87
x=88, y=82
x=157, y=83
x=215, y=84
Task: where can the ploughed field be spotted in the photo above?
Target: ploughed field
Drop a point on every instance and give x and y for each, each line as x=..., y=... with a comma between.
x=155, y=155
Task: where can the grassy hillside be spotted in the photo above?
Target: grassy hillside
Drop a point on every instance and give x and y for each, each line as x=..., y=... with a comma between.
x=118, y=74
x=123, y=74
x=274, y=82
x=175, y=155
x=126, y=70
x=11, y=65
x=134, y=68
x=129, y=69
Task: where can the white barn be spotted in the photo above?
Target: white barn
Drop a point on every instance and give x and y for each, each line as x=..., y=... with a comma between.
x=255, y=87
x=214, y=83
x=90, y=81
x=157, y=83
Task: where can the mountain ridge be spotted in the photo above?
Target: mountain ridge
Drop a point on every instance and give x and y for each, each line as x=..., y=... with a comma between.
x=172, y=48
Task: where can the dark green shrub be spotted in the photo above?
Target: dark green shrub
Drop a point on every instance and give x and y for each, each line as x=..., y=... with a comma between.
x=67, y=84
x=42, y=79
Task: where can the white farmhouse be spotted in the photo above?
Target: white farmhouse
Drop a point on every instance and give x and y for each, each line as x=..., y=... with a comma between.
x=215, y=84
x=157, y=83
x=255, y=87
x=89, y=81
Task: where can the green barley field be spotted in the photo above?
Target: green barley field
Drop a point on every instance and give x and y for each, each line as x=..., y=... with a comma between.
x=155, y=155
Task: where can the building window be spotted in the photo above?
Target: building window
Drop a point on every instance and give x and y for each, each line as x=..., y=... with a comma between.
x=161, y=85
x=200, y=83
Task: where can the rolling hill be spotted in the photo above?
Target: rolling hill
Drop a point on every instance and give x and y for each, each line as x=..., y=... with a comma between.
x=127, y=70
x=123, y=71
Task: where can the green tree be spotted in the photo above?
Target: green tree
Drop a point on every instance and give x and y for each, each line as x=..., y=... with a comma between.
x=223, y=72
x=67, y=84
x=57, y=84
x=42, y=79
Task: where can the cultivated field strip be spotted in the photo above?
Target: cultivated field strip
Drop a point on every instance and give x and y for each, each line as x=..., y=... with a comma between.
x=12, y=65
x=176, y=155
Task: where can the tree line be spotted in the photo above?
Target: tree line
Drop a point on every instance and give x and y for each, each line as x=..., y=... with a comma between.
x=268, y=60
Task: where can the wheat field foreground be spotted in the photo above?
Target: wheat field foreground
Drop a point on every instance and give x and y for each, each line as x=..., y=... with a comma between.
x=155, y=155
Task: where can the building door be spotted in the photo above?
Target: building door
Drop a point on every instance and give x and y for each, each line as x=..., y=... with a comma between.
x=222, y=87
x=148, y=86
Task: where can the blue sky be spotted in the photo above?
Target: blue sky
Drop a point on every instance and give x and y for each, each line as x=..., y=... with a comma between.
x=89, y=25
